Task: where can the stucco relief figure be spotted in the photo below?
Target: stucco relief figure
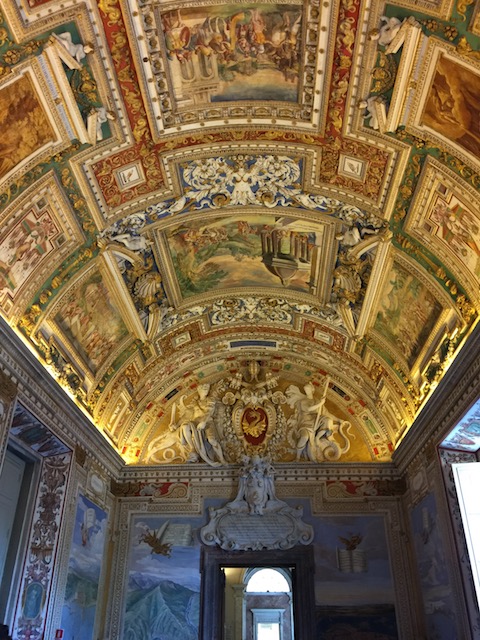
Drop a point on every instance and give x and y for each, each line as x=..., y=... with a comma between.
x=256, y=492
x=314, y=427
x=127, y=232
x=196, y=428
x=389, y=27
x=77, y=51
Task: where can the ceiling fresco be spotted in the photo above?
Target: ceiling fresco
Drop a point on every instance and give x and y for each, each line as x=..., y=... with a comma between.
x=239, y=229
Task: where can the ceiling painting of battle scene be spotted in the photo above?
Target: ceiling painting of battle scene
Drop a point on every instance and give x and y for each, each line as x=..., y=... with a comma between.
x=246, y=229
x=233, y=52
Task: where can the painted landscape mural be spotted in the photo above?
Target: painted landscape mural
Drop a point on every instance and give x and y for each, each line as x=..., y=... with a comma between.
x=234, y=52
x=163, y=597
x=435, y=583
x=353, y=584
x=261, y=251
x=408, y=312
x=84, y=567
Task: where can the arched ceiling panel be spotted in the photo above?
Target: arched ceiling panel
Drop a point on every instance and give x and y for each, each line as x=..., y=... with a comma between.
x=229, y=229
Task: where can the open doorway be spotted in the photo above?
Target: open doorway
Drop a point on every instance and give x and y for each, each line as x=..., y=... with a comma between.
x=257, y=595
x=258, y=603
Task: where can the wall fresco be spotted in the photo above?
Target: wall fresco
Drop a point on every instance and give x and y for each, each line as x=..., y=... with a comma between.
x=354, y=592
x=35, y=435
x=84, y=567
x=466, y=435
x=163, y=594
x=438, y=602
x=32, y=604
x=351, y=561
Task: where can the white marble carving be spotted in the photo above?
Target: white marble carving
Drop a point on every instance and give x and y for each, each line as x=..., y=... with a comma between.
x=256, y=519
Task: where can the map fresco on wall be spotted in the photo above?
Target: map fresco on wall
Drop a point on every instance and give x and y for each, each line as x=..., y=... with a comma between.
x=26, y=243
x=408, y=312
x=163, y=597
x=436, y=589
x=84, y=567
x=261, y=251
x=452, y=104
x=234, y=52
x=353, y=583
x=91, y=321
x=24, y=124
x=458, y=228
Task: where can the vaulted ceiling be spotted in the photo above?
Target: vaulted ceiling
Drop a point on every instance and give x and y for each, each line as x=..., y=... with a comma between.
x=248, y=196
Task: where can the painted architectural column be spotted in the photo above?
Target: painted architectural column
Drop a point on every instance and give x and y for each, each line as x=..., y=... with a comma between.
x=34, y=597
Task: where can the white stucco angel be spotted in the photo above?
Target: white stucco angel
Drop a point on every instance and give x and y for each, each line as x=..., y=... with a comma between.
x=196, y=428
x=313, y=426
x=76, y=50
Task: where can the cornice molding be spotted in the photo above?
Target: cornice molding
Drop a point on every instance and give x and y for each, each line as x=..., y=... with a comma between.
x=47, y=400
x=455, y=394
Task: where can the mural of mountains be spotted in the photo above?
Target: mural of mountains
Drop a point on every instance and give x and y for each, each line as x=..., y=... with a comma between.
x=166, y=612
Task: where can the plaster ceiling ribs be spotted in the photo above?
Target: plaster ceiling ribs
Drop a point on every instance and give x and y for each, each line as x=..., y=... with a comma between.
x=242, y=211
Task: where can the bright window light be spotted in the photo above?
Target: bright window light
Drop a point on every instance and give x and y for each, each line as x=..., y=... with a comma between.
x=268, y=631
x=268, y=580
x=467, y=481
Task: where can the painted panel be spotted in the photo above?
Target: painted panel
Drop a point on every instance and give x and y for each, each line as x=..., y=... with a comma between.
x=25, y=244
x=407, y=314
x=261, y=251
x=24, y=124
x=84, y=567
x=375, y=622
x=452, y=104
x=353, y=584
x=432, y=568
x=458, y=227
x=232, y=53
x=163, y=594
x=91, y=321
